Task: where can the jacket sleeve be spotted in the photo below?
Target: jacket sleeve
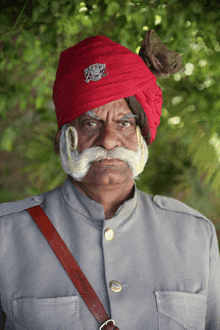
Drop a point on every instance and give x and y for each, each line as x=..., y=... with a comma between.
x=213, y=297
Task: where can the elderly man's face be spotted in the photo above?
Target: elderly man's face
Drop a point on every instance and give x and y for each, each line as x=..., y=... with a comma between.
x=109, y=132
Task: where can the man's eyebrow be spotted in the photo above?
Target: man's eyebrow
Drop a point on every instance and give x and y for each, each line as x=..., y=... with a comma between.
x=130, y=115
x=92, y=114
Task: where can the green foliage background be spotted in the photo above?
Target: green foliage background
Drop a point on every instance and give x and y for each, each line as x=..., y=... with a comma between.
x=184, y=160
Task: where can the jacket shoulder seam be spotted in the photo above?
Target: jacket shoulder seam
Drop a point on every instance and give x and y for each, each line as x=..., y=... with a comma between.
x=175, y=205
x=19, y=206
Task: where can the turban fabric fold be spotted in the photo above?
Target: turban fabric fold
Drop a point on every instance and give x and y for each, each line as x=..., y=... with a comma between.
x=125, y=75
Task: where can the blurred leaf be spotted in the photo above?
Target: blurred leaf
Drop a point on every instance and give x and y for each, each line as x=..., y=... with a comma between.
x=122, y=20
x=7, y=46
x=7, y=196
x=112, y=8
x=3, y=102
x=29, y=39
x=205, y=159
x=8, y=138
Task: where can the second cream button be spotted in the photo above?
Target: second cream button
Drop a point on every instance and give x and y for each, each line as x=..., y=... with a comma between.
x=115, y=286
x=109, y=234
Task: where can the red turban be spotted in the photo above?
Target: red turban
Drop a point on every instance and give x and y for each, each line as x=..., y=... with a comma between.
x=120, y=73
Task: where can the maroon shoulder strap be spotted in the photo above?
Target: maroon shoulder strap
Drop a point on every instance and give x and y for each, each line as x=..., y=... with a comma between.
x=72, y=268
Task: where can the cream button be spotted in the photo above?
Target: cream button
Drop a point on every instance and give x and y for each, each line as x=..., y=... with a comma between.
x=115, y=286
x=36, y=198
x=109, y=234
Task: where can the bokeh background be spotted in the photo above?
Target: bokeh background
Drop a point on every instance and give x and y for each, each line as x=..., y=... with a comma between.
x=184, y=161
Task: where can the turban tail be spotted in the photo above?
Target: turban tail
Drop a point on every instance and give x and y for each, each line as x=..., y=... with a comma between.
x=126, y=74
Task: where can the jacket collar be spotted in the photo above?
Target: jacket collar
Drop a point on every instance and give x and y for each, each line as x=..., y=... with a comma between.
x=89, y=208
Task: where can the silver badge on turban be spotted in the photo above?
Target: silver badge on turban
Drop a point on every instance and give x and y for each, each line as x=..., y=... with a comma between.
x=95, y=72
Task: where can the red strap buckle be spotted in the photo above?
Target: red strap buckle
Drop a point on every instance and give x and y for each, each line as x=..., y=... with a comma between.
x=110, y=320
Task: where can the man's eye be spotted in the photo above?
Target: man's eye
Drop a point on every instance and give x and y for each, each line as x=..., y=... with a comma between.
x=126, y=124
x=89, y=124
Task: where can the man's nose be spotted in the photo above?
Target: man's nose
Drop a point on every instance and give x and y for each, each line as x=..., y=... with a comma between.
x=108, y=138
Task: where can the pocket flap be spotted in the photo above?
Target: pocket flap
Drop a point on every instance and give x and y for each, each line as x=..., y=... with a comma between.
x=187, y=309
x=44, y=314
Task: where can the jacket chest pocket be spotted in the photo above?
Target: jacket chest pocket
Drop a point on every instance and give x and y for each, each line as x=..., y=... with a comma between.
x=47, y=314
x=180, y=310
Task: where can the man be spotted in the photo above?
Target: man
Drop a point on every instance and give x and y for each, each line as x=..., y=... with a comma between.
x=152, y=261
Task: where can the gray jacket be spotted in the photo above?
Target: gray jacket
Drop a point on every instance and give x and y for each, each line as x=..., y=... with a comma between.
x=164, y=256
